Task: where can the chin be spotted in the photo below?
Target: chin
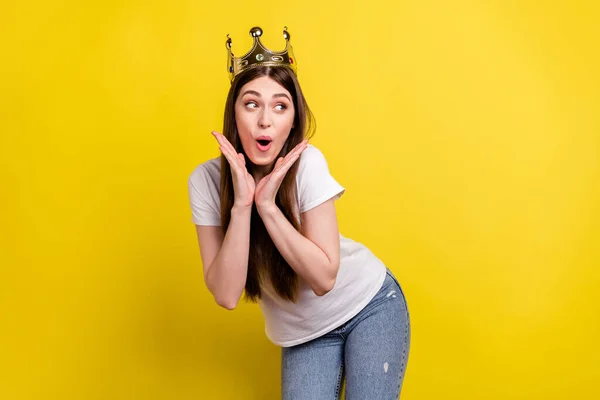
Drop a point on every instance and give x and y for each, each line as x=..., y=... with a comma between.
x=261, y=161
x=260, y=158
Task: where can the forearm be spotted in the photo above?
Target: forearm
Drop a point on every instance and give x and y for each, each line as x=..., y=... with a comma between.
x=226, y=277
x=306, y=258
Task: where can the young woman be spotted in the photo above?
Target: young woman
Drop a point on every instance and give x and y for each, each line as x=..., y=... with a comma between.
x=266, y=224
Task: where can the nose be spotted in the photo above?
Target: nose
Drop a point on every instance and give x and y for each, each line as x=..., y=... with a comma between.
x=264, y=121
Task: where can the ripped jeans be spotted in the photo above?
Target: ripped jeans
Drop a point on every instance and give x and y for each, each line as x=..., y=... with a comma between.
x=370, y=352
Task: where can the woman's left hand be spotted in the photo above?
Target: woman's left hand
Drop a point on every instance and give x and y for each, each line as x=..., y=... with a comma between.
x=267, y=187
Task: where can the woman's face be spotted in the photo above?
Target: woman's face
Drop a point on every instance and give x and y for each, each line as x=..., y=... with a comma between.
x=264, y=114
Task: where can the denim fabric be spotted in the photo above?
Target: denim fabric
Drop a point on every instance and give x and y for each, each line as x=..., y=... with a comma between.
x=370, y=352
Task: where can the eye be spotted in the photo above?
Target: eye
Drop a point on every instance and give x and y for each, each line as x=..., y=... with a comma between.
x=281, y=107
x=251, y=104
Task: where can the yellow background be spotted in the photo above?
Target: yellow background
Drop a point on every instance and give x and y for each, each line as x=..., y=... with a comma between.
x=466, y=133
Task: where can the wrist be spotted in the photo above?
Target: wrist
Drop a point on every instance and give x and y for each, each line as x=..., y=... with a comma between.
x=241, y=210
x=266, y=208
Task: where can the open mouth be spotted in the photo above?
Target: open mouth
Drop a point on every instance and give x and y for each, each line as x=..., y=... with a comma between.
x=264, y=143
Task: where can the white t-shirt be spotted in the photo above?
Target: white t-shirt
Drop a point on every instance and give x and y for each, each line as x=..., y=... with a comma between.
x=360, y=275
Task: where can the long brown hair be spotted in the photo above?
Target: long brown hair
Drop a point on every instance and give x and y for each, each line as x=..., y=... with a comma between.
x=265, y=261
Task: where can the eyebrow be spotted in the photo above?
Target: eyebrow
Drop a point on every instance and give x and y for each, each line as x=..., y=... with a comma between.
x=254, y=92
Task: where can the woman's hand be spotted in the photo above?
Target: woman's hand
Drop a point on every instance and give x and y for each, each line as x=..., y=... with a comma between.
x=267, y=187
x=243, y=182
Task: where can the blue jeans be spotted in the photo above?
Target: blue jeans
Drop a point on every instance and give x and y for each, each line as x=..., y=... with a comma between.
x=370, y=352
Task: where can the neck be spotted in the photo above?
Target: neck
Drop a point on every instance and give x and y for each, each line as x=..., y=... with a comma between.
x=260, y=171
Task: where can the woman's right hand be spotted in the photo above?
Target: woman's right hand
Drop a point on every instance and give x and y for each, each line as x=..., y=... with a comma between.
x=243, y=182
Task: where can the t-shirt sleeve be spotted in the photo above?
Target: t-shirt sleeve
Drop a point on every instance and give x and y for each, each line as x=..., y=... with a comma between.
x=316, y=185
x=204, y=208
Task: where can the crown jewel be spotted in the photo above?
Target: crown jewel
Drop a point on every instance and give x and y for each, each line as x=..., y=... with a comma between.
x=260, y=55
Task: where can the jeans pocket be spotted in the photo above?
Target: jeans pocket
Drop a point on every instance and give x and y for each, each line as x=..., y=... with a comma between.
x=393, y=277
